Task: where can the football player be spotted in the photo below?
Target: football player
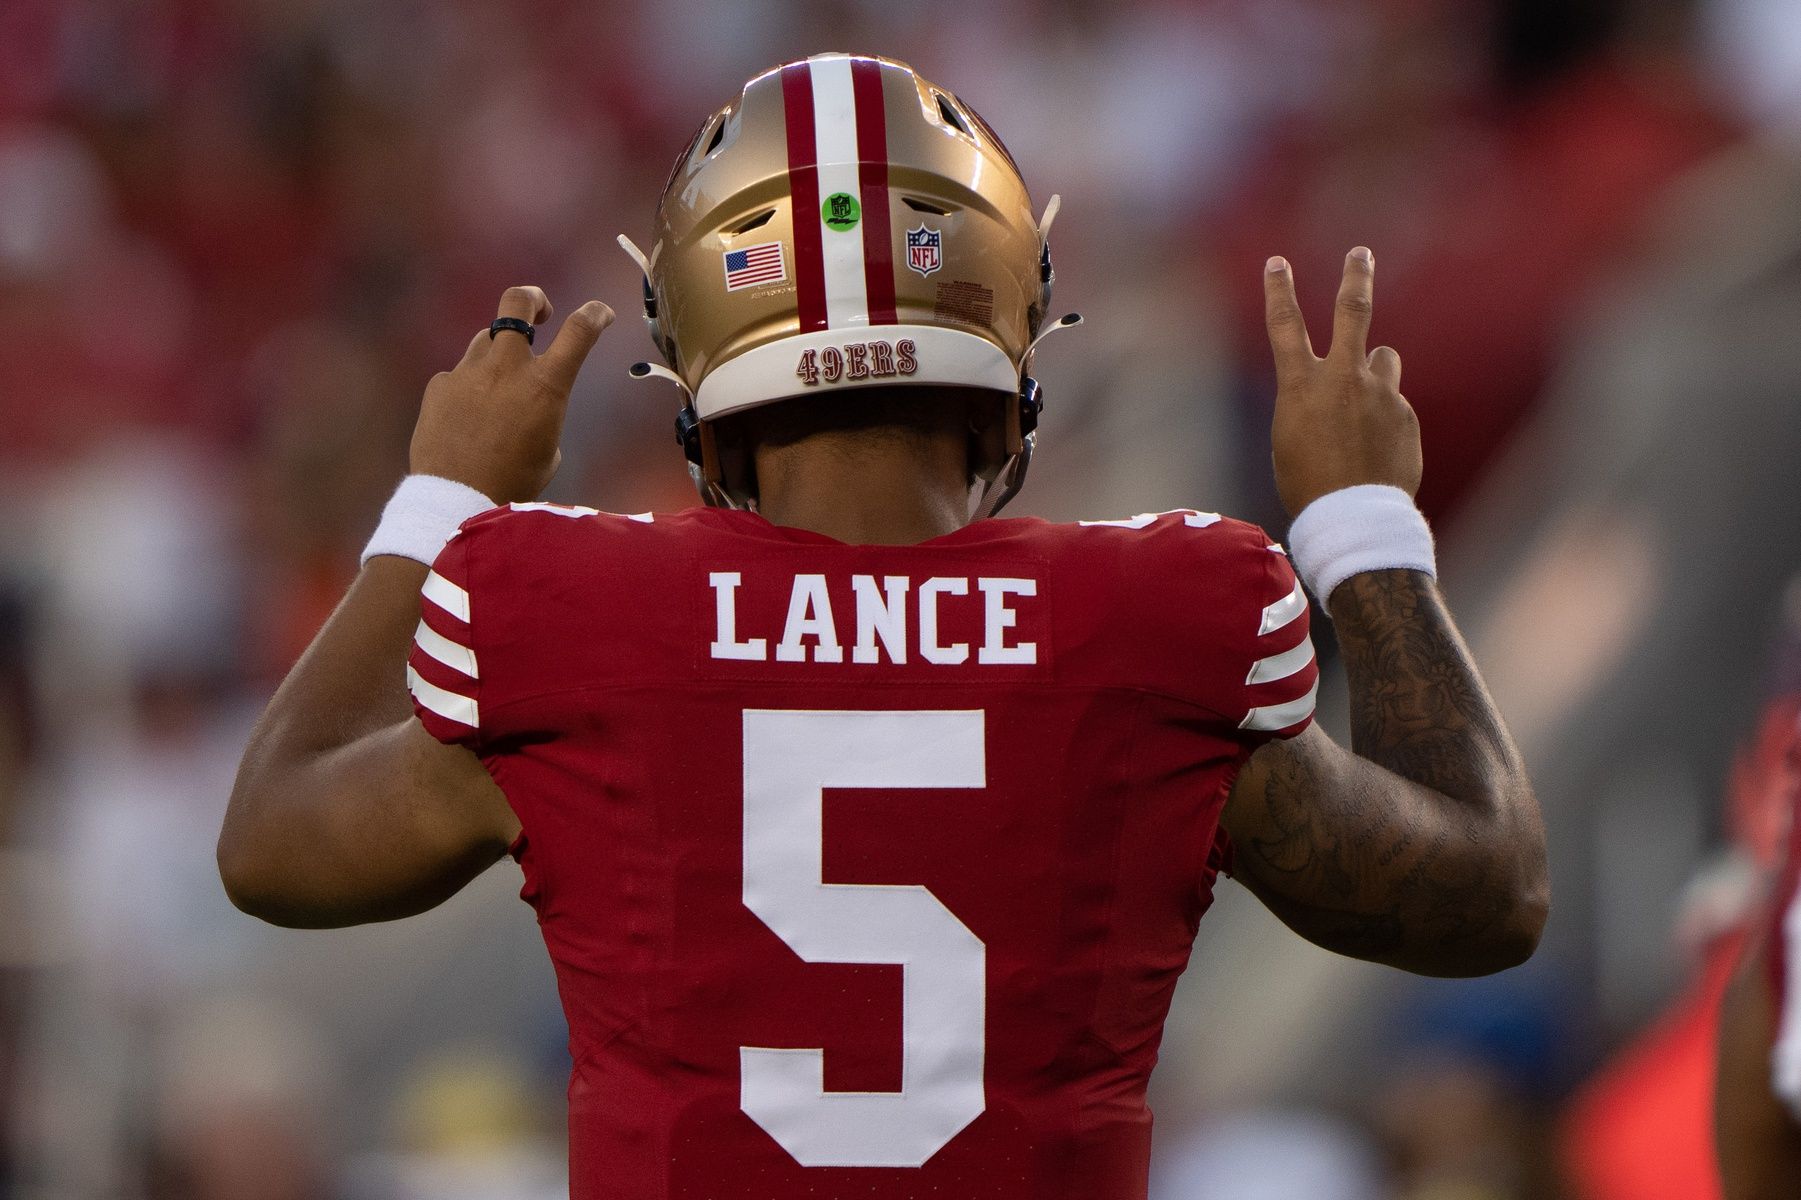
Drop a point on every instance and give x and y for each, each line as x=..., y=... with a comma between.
x=1757, y=1091
x=868, y=840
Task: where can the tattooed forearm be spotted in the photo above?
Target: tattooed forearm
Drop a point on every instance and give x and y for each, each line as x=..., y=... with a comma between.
x=1413, y=684
x=1424, y=849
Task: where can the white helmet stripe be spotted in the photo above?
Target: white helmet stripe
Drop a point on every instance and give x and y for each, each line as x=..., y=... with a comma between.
x=835, y=150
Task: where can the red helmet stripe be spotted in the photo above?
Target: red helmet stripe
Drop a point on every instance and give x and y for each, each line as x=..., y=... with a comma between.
x=803, y=188
x=872, y=156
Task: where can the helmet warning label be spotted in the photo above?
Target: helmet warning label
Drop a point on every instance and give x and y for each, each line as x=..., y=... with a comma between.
x=964, y=302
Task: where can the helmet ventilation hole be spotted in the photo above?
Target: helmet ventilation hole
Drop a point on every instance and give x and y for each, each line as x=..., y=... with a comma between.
x=713, y=142
x=925, y=206
x=951, y=116
x=761, y=218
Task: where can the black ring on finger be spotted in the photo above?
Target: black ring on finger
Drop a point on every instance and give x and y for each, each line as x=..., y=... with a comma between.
x=516, y=324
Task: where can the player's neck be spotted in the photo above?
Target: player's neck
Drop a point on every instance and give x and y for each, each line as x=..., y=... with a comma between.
x=866, y=491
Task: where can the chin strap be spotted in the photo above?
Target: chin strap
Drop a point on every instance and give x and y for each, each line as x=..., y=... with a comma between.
x=1007, y=482
x=638, y=256
x=687, y=435
x=712, y=495
x=687, y=421
x=650, y=370
x=1011, y=477
x=1066, y=321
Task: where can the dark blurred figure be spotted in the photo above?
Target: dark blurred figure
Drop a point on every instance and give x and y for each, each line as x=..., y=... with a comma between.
x=1642, y=1127
x=1458, y=1131
x=1757, y=1095
x=1460, y=1098
x=18, y=953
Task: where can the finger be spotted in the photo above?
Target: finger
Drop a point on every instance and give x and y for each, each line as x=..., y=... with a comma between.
x=1282, y=314
x=1385, y=365
x=580, y=331
x=1356, y=303
x=529, y=304
x=476, y=345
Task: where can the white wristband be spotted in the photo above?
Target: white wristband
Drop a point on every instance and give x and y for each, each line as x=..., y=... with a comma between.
x=1370, y=527
x=422, y=516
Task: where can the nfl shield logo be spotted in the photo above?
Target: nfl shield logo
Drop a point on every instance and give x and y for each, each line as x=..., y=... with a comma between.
x=925, y=249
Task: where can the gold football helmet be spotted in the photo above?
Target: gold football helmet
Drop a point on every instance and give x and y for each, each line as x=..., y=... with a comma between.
x=845, y=224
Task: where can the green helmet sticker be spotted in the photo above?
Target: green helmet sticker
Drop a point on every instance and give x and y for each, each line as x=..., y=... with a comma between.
x=841, y=211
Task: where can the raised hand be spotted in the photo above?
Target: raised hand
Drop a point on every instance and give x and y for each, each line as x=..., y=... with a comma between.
x=1340, y=420
x=494, y=422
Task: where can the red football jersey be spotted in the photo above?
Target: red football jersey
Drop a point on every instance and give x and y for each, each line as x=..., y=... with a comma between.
x=866, y=871
x=1784, y=934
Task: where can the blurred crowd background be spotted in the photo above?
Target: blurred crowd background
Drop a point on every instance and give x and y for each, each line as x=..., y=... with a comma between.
x=237, y=236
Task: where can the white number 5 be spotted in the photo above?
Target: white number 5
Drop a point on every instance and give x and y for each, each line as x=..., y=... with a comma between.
x=789, y=759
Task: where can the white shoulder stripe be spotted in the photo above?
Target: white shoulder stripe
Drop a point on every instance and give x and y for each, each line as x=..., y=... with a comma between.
x=577, y=511
x=1190, y=517
x=447, y=596
x=1785, y=1074
x=1273, y=717
x=1283, y=611
x=453, y=655
x=449, y=705
x=1264, y=670
x=572, y=511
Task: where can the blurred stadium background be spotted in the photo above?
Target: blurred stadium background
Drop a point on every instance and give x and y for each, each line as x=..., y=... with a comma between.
x=236, y=237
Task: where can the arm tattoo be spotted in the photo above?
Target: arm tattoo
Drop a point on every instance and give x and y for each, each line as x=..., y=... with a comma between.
x=1408, y=853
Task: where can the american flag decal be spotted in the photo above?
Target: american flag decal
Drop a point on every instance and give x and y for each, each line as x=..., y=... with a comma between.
x=753, y=265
